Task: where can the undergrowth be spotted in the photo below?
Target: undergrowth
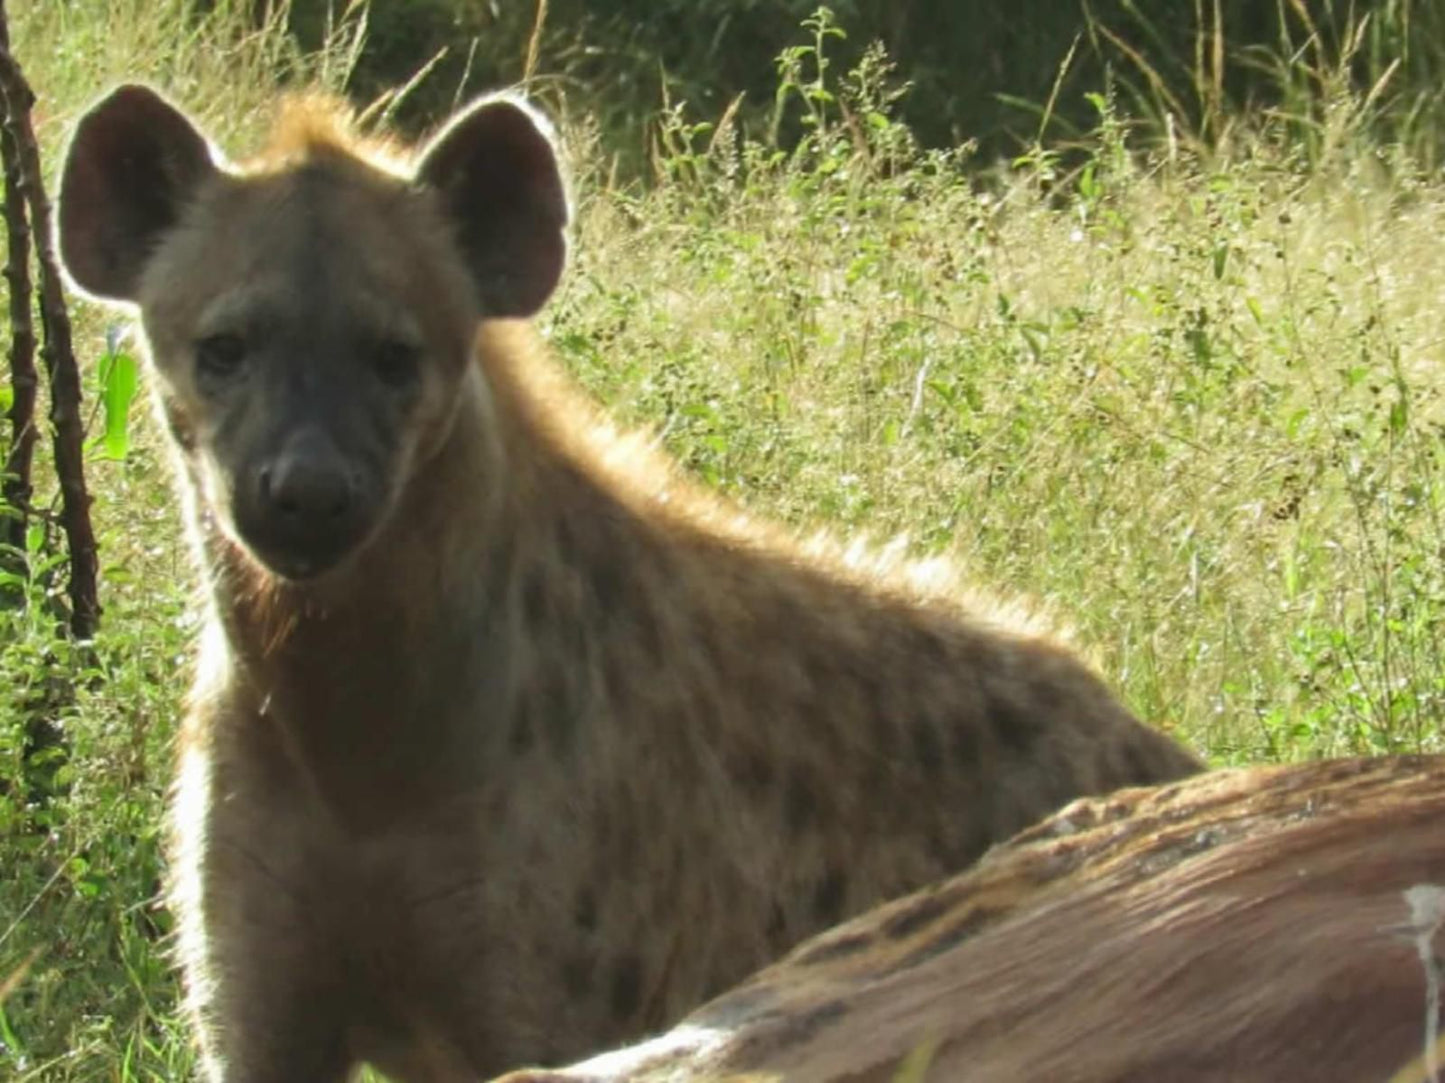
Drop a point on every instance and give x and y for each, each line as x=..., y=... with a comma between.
x=1184, y=388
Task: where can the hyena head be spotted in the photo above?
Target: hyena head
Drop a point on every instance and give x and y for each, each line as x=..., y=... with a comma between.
x=310, y=319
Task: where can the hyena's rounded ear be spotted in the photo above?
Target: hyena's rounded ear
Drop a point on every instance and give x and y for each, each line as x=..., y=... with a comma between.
x=496, y=171
x=133, y=164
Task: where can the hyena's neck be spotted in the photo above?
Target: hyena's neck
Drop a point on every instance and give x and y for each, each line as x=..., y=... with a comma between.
x=408, y=666
x=360, y=671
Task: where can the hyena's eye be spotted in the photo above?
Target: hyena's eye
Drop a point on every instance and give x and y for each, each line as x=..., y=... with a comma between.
x=396, y=363
x=220, y=356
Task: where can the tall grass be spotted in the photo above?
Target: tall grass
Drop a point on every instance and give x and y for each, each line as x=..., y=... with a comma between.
x=978, y=70
x=1194, y=397
x=1335, y=71
x=1183, y=384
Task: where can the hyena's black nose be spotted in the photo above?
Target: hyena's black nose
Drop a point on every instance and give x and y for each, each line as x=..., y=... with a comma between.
x=309, y=506
x=306, y=490
x=305, y=505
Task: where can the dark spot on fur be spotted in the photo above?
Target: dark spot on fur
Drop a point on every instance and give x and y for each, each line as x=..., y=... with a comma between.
x=534, y=599
x=882, y=734
x=1048, y=697
x=818, y=670
x=520, y=738
x=800, y=804
x=777, y=928
x=915, y=916
x=750, y=771
x=649, y=632
x=975, y=921
x=963, y=744
x=704, y=721
x=807, y=1024
x=615, y=679
x=1017, y=727
x=874, y=697
x=609, y=586
x=559, y=716
x=828, y=896
x=1139, y=770
x=569, y=549
x=955, y=850
x=577, y=973
x=496, y=806
x=925, y=645
x=626, y=994
x=584, y=911
x=927, y=749
x=501, y=571
x=772, y=1029
x=835, y=946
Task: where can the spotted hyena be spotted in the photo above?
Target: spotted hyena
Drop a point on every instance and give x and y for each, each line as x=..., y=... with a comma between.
x=505, y=744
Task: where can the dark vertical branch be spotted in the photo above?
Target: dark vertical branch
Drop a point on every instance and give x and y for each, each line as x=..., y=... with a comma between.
x=16, y=488
x=61, y=371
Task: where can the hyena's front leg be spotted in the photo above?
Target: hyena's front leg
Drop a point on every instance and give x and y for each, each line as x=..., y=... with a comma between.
x=262, y=985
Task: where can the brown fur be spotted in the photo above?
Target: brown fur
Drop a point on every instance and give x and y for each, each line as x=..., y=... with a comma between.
x=561, y=747
x=1254, y=926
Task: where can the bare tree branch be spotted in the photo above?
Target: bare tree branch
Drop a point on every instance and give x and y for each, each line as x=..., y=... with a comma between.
x=61, y=371
x=17, y=489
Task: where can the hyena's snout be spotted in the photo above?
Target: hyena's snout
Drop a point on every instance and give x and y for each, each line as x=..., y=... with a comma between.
x=304, y=507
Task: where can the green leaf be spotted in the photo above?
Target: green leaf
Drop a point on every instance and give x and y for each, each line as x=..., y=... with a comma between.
x=118, y=387
x=1399, y=416
x=1221, y=259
